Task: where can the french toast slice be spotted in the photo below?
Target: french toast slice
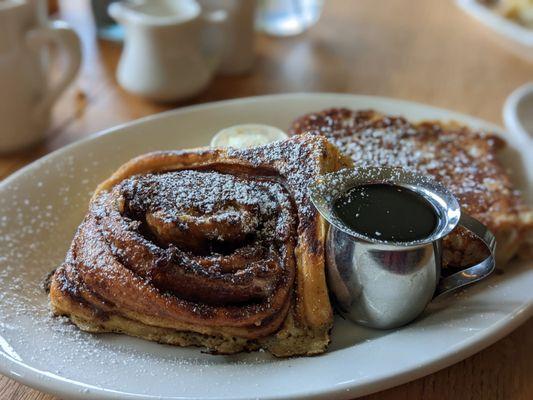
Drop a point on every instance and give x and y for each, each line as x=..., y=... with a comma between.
x=464, y=160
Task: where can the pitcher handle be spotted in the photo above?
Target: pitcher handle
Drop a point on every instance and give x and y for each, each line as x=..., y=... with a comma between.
x=476, y=272
x=68, y=43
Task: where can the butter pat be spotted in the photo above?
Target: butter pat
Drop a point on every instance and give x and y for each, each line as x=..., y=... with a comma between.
x=247, y=135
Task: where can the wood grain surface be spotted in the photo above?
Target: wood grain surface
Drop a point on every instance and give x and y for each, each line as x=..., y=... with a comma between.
x=421, y=50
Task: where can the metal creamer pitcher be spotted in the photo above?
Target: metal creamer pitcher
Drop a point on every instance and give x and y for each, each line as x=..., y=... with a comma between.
x=386, y=284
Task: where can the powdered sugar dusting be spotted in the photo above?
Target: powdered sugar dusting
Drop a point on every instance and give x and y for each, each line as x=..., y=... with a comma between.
x=211, y=244
x=298, y=161
x=462, y=160
x=211, y=196
x=36, y=227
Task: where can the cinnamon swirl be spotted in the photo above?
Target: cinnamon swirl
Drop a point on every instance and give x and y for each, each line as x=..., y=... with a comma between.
x=208, y=247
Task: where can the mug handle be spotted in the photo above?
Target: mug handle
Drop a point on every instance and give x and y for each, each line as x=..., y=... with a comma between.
x=476, y=272
x=68, y=43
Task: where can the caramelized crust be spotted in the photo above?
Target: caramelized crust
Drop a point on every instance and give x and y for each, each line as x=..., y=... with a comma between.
x=212, y=247
x=462, y=159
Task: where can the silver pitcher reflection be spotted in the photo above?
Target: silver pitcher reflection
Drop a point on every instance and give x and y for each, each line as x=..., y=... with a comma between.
x=385, y=284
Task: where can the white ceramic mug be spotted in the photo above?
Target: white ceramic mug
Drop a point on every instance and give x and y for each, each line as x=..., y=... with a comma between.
x=26, y=93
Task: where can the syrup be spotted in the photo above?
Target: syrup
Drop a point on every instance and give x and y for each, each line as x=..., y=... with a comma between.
x=387, y=212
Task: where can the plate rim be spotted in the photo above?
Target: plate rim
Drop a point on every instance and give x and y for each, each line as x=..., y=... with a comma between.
x=54, y=384
x=63, y=386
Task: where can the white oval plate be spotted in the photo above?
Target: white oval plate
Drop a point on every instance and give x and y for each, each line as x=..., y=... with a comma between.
x=42, y=204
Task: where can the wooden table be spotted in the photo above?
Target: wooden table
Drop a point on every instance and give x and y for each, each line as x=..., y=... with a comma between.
x=426, y=51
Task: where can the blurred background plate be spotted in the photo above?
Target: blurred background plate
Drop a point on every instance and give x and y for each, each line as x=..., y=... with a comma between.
x=42, y=204
x=515, y=37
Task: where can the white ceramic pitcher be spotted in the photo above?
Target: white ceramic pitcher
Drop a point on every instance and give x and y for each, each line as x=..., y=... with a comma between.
x=172, y=48
x=26, y=94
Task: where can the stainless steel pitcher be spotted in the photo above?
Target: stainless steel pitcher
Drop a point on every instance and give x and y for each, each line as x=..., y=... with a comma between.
x=385, y=284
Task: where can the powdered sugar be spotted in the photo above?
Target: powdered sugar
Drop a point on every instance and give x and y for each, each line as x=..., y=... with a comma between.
x=213, y=241
x=297, y=161
x=35, y=230
x=462, y=160
x=207, y=197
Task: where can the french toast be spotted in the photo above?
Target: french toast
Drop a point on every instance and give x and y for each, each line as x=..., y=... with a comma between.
x=462, y=159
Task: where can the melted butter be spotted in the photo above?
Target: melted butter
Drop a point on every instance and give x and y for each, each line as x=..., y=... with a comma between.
x=247, y=135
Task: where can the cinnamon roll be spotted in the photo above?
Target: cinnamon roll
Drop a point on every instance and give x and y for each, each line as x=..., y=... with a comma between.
x=218, y=248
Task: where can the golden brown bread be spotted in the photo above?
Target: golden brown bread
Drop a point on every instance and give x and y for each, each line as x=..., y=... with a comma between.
x=207, y=247
x=464, y=160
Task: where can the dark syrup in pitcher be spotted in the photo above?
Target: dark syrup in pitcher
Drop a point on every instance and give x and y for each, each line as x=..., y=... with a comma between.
x=387, y=212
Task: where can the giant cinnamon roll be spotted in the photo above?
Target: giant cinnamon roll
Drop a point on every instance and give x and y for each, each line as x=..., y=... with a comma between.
x=209, y=247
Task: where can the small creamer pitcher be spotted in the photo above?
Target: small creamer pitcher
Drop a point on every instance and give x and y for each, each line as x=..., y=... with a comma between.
x=172, y=48
x=384, y=283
